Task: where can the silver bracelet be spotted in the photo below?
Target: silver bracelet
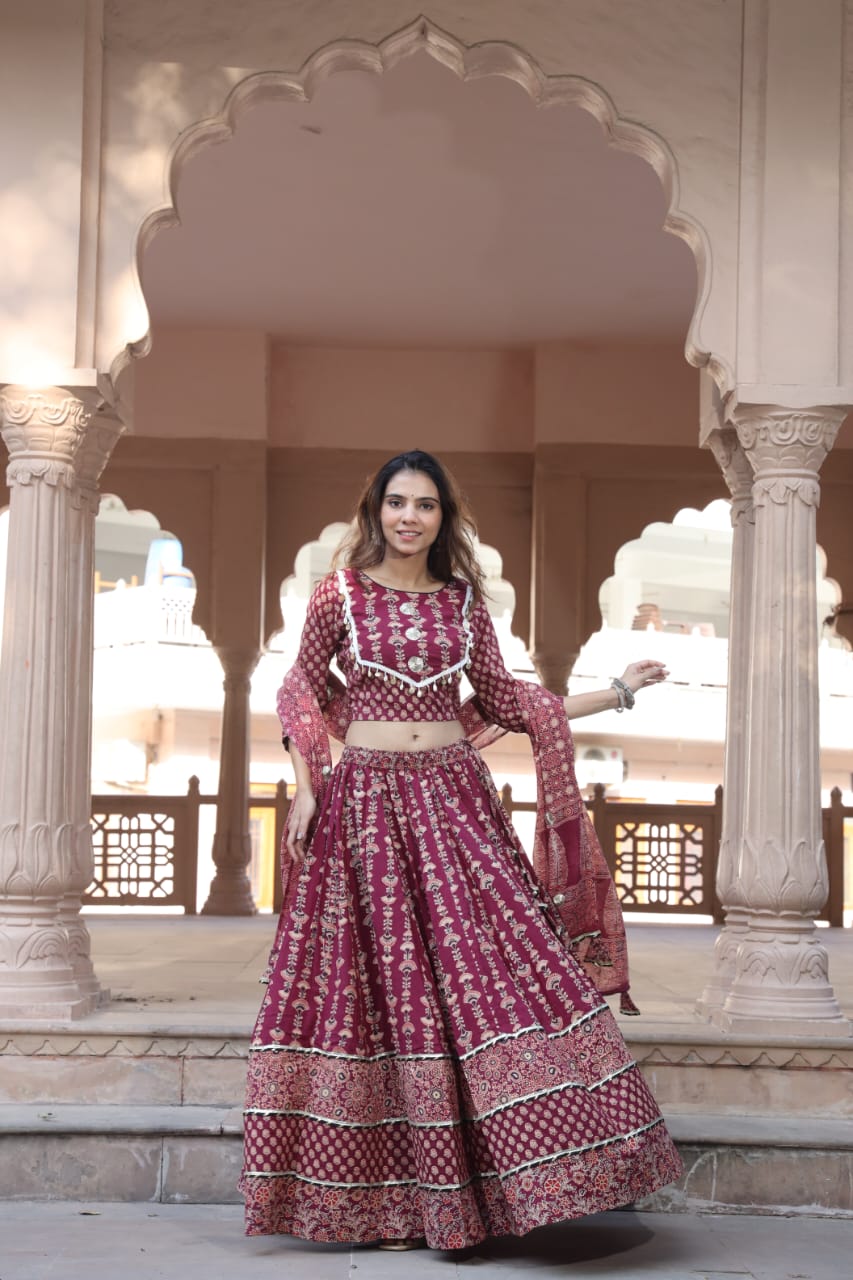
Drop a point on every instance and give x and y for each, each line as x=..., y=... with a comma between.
x=623, y=693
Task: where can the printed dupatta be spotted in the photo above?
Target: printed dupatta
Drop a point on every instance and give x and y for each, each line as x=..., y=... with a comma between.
x=567, y=857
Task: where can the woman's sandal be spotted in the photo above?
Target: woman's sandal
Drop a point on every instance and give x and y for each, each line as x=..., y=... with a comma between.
x=401, y=1246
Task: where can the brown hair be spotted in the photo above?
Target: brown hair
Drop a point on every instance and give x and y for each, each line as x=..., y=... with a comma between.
x=451, y=555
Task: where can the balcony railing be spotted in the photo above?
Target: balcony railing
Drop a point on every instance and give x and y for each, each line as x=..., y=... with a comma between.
x=146, y=847
x=663, y=858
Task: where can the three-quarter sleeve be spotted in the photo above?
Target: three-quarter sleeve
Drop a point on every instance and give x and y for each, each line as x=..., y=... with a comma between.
x=321, y=636
x=496, y=690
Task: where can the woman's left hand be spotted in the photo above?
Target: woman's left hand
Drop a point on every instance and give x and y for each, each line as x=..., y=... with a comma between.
x=639, y=674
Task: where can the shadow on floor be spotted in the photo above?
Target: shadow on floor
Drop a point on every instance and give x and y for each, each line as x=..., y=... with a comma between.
x=603, y=1237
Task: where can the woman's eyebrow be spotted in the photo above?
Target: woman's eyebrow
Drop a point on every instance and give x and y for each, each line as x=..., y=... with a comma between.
x=402, y=496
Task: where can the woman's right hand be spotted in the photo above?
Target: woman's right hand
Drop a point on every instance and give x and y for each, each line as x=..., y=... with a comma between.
x=303, y=806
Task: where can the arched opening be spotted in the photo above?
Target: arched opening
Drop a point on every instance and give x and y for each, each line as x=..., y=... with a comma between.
x=668, y=596
x=491, y=62
x=376, y=261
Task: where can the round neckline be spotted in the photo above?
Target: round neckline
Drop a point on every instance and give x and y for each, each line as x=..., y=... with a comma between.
x=401, y=590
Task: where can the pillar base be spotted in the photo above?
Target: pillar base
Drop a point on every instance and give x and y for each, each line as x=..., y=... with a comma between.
x=43, y=1009
x=791, y=1028
x=726, y=948
x=230, y=892
x=45, y=995
x=79, y=947
x=781, y=983
x=230, y=900
x=37, y=978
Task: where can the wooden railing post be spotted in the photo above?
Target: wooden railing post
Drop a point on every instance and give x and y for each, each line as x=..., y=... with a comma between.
x=188, y=861
x=603, y=829
x=834, y=829
x=282, y=805
x=714, y=855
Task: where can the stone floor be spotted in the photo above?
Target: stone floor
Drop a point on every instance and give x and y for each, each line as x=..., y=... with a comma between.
x=205, y=1242
x=203, y=971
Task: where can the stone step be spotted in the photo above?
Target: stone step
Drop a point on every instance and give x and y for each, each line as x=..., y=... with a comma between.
x=133, y=1064
x=191, y=1154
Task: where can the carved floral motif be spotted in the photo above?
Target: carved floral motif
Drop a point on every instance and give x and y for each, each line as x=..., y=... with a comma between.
x=59, y=436
x=787, y=442
x=781, y=489
x=780, y=962
x=784, y=877
x=734, y=464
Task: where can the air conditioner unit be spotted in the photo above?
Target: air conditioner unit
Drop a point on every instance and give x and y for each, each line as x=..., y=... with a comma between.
x=599, y=762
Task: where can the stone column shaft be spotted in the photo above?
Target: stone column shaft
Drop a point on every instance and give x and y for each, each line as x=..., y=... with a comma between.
x=101, y=436
x=558, y=626
x=42, y=705
x=780, y=977
x=737, y=473
x=230, y=893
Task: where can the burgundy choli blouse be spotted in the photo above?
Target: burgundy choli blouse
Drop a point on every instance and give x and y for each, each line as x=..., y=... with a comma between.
x=403, y=653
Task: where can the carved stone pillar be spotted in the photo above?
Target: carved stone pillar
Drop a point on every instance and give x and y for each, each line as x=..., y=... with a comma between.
x=43, y=705
x=230, y=893
x=780, y=978
x=737, y=473
x=98, y=443
x=554, y=669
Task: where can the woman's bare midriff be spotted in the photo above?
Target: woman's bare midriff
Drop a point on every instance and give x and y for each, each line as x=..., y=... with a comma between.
x=403, y=735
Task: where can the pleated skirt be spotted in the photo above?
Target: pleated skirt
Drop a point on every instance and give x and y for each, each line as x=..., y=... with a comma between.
x=429, y=1060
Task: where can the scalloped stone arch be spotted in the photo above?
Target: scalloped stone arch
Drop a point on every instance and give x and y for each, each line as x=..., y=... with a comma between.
x=714, y=516
x=469, y=62
x=138, y=517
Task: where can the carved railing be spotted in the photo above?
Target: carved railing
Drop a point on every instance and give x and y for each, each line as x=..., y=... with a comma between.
x=662, y=858
x=146, y=847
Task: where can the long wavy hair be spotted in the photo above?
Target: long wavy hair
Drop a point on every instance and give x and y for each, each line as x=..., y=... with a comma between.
x=451, y=555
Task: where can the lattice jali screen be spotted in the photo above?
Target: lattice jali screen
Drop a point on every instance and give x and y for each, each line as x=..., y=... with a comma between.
x=135, y=855
x=661, y=865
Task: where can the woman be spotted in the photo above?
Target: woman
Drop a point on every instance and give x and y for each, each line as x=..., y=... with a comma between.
x=433, y=1058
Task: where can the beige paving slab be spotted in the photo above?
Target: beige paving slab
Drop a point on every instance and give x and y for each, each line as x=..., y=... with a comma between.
x=202, y=972
x=205, y=1242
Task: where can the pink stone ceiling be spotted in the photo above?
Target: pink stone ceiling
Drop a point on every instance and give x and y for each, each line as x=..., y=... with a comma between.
x=414, y=209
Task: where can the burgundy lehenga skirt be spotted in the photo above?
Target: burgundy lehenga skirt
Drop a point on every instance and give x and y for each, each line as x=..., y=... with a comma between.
x=429, y=1060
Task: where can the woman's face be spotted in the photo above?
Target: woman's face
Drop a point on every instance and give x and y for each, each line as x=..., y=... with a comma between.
x=410, y=514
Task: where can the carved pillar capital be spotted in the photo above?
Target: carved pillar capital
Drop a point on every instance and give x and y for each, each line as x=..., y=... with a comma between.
x=554, y=669
x=43, y=431
x=62, y=435
x=786, y=449
x=237, y=666
x=737, y=472
x=95, y=449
